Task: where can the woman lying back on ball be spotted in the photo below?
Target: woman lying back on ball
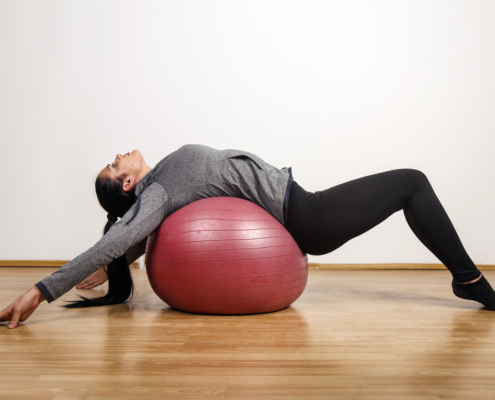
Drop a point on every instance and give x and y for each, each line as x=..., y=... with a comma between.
x=142, y=197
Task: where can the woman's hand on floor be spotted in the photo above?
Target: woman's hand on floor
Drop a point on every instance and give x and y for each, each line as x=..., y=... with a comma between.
x=23, y=307
x=97, y=279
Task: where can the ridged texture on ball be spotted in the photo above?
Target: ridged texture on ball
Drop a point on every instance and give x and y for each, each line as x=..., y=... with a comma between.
x=224, y=255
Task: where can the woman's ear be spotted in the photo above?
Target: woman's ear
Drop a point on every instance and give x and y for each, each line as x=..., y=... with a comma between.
x=129, y=183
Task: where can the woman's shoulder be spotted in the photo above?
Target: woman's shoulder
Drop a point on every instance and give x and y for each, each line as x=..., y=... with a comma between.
x=150, y=190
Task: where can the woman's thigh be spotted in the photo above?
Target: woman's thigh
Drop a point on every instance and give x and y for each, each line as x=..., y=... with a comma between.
x=322, y=221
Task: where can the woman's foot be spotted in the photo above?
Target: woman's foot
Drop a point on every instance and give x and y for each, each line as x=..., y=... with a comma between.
x=478, y=290
x=97, y=279
x=474, y=280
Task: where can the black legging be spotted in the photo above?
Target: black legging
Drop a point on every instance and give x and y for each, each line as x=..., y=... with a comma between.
x=321, y=222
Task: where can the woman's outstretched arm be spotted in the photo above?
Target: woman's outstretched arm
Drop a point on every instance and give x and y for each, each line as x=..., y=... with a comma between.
x=112, y=245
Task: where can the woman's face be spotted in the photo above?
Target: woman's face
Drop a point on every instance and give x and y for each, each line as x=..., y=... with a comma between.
x=124, y=165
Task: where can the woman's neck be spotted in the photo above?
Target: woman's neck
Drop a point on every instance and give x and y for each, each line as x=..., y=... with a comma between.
x=144, y=171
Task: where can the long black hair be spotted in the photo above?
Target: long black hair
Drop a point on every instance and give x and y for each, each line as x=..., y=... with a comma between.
x=116, y=202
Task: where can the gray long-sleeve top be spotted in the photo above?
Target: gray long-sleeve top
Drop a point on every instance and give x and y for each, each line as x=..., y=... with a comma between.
x=191, y=173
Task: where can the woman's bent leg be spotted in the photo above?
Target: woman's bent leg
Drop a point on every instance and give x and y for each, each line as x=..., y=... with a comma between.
x=323, y=221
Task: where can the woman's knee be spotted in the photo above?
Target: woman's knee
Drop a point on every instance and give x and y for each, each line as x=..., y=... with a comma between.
x=416, y=177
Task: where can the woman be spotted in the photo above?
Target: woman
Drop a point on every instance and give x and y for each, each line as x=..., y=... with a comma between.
x=320, y=222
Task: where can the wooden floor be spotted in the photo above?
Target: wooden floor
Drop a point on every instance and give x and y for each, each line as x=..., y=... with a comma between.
x=352, y=335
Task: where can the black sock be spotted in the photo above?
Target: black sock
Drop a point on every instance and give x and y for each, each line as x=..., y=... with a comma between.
x=479, y=291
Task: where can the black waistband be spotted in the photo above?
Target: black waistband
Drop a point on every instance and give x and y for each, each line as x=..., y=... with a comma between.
x=286, y=199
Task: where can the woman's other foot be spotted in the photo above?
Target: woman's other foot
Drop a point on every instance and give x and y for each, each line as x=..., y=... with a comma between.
x=478, y=290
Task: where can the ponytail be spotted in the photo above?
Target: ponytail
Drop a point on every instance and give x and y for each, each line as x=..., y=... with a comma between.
x=120, y=286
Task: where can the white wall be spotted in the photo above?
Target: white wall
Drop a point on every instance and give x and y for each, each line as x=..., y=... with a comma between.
x=335, y=89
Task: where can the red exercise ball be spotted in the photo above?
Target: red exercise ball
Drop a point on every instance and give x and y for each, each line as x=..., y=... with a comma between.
x=224, y=255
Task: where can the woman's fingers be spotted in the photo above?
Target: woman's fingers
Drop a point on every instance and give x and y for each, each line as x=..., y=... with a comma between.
x=84, y=284
x=12, y=314
x=89, y=283
x=15, y=318
x=98, y=278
